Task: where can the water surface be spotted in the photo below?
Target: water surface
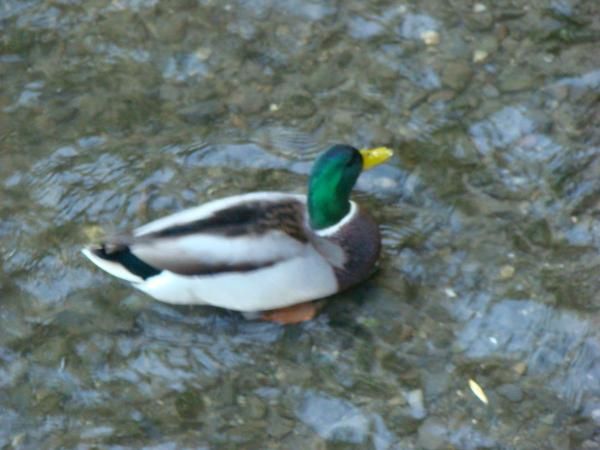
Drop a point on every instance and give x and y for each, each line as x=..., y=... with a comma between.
x=113, y=113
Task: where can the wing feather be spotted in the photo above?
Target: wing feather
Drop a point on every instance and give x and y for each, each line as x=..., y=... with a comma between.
x=203, y=255
x=257, y=232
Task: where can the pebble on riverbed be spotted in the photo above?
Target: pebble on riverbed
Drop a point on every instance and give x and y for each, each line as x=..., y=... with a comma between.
x=506, y=272
x=480, y=56
x=430, y=37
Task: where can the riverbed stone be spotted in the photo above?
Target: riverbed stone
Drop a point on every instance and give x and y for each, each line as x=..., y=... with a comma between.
x=456, y=75
x=432, y=434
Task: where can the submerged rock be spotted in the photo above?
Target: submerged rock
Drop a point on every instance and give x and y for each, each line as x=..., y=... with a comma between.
x=456, y=75
x=432, y=434
x=515, y=79
x=511, y=392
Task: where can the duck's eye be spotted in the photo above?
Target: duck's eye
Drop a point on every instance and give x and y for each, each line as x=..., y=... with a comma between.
x=355, y=159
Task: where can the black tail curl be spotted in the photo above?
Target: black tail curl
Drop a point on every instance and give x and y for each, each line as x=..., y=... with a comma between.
x=122, y=254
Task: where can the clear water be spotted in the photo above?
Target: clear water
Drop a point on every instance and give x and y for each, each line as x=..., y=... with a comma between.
x=116, y=112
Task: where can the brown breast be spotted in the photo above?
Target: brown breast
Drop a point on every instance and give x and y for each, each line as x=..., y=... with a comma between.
x=361, y=241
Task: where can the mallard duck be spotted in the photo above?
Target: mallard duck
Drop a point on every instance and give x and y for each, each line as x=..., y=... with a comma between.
x=260, y=252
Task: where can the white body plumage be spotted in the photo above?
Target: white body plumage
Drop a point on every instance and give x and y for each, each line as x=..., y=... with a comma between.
x=284, y=270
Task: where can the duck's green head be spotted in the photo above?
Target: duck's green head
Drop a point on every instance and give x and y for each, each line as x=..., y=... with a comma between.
x=332, y=178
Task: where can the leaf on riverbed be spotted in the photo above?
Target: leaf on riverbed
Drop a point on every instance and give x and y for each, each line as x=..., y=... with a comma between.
x=476, y=389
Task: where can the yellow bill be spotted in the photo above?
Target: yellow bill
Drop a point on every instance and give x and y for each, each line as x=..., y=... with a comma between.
x=374, y=156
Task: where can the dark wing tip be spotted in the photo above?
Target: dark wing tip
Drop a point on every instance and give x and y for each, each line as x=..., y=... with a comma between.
x=121, y=253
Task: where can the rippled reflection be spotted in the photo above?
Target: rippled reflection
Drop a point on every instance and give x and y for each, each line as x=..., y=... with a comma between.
x=113, y=113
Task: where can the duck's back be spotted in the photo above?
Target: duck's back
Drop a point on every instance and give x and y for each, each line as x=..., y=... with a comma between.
x=249, y=252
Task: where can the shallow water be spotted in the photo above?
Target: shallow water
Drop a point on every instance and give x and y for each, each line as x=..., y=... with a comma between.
x=116, y=112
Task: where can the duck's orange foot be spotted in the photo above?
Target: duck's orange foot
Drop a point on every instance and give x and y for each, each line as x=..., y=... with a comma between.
x=292, y=314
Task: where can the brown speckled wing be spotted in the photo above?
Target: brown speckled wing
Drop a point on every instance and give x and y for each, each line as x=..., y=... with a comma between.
x=252, y=218
x=237, y=227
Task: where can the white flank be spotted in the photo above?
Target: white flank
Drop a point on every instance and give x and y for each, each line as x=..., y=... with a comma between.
x=198, y=249
x=302, y=272
x=115, y=269
x=306, y=277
